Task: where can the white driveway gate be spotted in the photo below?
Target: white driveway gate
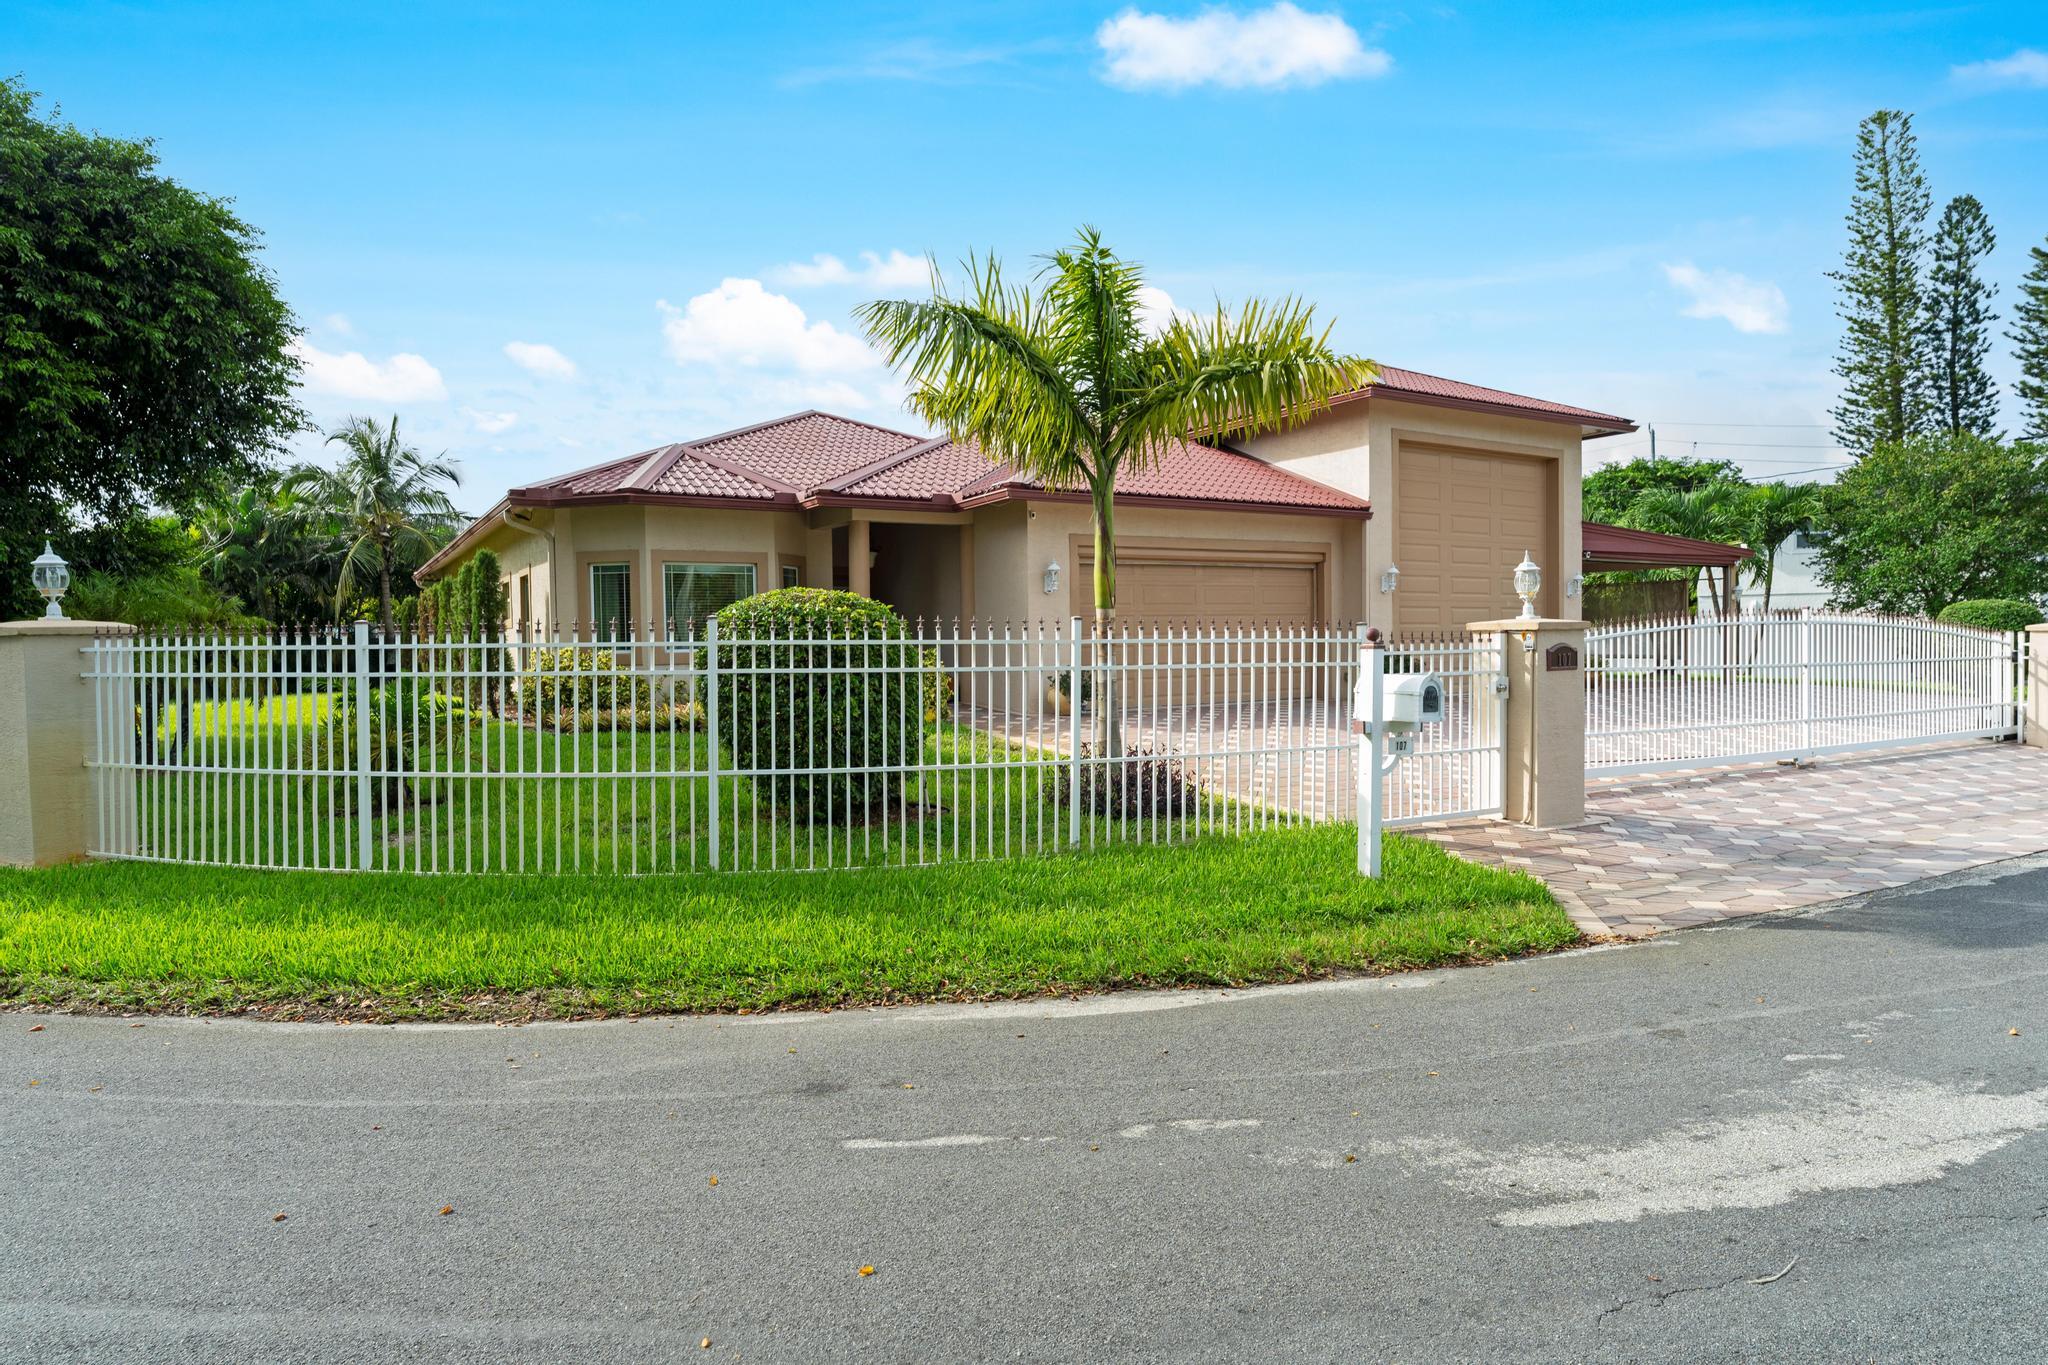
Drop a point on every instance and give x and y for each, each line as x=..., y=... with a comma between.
x=1686, y=693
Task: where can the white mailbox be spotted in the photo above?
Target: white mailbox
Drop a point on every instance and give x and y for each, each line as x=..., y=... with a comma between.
x=1407, y=700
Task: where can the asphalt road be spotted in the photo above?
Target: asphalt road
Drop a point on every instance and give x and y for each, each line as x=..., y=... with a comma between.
x=1601, y=1155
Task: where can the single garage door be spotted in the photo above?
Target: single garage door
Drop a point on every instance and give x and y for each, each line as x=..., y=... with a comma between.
x=1157, y=590
x=1462, y=521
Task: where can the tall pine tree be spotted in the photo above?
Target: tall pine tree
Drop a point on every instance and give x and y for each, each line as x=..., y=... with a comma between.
x=1958, y=321
x=2030, y=346
x=1882, y=362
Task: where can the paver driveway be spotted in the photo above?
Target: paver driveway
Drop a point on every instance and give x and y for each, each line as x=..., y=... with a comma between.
x=1665, y=852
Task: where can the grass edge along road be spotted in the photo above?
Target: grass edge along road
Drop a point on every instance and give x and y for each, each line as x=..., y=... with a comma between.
x=1280, y=905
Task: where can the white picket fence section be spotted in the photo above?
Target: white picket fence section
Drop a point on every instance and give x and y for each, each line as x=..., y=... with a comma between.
x=1688, y=693
x=341, y=750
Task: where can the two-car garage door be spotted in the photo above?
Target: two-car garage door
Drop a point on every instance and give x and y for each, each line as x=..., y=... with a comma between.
x=1165, y=589
x=1462, y=521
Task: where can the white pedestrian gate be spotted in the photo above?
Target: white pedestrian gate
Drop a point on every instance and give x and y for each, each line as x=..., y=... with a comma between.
x=1689, y=693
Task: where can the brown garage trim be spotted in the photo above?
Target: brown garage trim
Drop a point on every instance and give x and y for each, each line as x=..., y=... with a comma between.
x=1314, y=555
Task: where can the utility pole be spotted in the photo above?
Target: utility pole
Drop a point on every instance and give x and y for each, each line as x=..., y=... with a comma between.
x=1653, y=440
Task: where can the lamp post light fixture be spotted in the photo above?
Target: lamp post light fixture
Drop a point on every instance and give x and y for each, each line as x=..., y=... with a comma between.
x=1390, y=578
x=1528, y=579
x=52, y=576
x=1052, y=578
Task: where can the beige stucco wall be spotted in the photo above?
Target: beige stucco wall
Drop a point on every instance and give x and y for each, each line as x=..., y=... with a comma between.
x=1354, y=447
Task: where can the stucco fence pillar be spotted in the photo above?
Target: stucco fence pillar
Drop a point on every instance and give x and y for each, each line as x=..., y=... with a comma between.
x=2034, y=719
x=1544, y=740
x=47, y=806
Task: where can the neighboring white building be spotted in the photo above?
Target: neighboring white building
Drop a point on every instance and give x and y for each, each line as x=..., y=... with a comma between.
x=1795, y=584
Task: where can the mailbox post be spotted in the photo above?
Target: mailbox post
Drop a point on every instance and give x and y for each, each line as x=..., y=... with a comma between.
x=1386, y=712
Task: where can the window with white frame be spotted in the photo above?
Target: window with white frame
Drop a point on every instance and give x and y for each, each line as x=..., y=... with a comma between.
x=792, y=577
x=691, y=592
x=611, y=600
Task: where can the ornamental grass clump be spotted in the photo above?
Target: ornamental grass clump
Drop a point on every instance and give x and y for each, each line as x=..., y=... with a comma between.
x=824, y=694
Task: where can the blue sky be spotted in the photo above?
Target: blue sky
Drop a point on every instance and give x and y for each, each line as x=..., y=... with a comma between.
x=546, y=235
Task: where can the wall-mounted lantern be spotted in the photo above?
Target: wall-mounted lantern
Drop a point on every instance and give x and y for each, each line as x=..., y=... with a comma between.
x=1390, y=578
x=1052, y=578
x=52, y=576
x=1574, y=585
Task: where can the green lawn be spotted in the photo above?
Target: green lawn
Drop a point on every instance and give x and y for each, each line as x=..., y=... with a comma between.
x=1270, y=906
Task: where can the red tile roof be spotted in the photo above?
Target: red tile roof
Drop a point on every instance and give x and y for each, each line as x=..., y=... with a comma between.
x=1415, y=386
x=815, y=458
x=1188, y=472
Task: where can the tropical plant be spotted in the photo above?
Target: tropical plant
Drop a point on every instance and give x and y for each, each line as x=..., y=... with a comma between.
x=143, y=349
x=256, y=544
x=388, y=501
x=1606, y=493
x=1064, y=382
x=1768, y=515
x=1957, y=320
x=1915, y=525
x=2029, y=336
x=1883, y=357
x=1710, y=513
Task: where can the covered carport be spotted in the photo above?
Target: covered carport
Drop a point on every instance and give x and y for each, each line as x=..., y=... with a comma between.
x=1620, y=549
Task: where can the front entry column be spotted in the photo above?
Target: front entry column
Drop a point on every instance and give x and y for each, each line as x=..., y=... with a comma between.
x=857, y=558
x=1544, y=747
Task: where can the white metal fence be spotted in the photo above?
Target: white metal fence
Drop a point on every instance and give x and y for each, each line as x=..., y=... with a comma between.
x=1684, y=692
x=336, y=749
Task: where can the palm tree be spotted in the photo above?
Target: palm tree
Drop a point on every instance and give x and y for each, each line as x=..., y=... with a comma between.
x=1710, y=513
x=1771, y=513
x=387, y=500
x=255, y=544
x=1066, y=385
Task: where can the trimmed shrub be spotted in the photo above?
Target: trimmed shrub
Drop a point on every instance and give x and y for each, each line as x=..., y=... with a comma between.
x=1143, y=783
x=565, y=685
x=1992, y=613
x=854, y=694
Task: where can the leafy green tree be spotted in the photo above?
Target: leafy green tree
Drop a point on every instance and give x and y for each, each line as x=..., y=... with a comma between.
x=1065, y=384
x=1883, y=357
x=389, y=503
x=143, y=350
x=1768, y=515
x=1607, y=493
x=1957, y=320
x=2030, y=345
x=1918, y=524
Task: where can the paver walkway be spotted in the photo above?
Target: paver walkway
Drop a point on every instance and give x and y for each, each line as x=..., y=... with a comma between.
x=1667, y=852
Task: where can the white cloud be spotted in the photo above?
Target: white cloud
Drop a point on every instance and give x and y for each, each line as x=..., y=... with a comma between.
x=490, y=423
x=741, y=324
x=339, y=324
x=1747, y=305
x=895, y=271
x=404, y=378
x=539, y=358
x=1156, y=308
x=2027, y=67
x=1276, y=46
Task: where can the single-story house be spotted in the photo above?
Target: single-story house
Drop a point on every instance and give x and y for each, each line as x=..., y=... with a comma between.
x=1405, y=505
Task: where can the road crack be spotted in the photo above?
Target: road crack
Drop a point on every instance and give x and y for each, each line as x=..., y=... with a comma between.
x=1664, y=1296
